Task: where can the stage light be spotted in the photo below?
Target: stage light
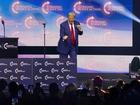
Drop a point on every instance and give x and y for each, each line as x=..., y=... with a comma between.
x=115, y=6
x=124, y=11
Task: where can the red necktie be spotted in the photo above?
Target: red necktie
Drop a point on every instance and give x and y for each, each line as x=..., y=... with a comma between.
x=72, y=35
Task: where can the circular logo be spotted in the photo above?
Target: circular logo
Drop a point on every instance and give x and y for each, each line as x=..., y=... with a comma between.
x=15, y=7
x=107, y=7
x=45, y=7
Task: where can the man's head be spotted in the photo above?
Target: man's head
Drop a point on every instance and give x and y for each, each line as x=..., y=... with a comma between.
x=71, y=17
x=98, y=80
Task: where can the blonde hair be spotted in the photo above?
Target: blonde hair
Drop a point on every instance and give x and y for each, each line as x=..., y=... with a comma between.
x=71, y=14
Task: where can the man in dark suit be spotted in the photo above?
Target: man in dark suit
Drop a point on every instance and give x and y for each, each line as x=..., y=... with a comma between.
x=68, y=42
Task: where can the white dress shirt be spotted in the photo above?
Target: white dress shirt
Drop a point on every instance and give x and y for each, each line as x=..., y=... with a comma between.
x=73, y=28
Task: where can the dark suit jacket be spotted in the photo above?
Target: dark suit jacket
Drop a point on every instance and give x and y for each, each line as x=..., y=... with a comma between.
x=65, y=46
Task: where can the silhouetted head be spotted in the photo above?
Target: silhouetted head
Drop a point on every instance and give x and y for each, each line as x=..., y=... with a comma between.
x=21, y=87
x=3, y=84
x=37, y=85
x=98, y=81
x=53, y=89
x=135, y=84
x=13, y=88
x=70, y=88
x=120, y=83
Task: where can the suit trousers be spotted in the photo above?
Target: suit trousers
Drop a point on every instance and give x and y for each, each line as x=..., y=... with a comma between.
x=72, y=53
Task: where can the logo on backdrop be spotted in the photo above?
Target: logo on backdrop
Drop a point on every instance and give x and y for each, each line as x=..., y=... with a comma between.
x=78, y=7
x=31, y=71
x=42, y=84
x=63, y=84
x=107, y=7
x=59, y=20
x=3, y=64
x=37, y=77
x=22, y=63
x=48, y=63
x=6, y=46
x=110, y=7
x=70, y=77
x=91, y=22
x=58, y=77
x=30, y=22
x=12, y=63
x=18, y=7
x=3, y=78
x=46, y=7
x=42, y=71
x=48, y=77
x=37, y=64
x=69, y=63
x=64, y=70
x=19, y=71
x=13, y=78
x=53, y=70
x=7, y=71
x=59, y=63
x=22, y=77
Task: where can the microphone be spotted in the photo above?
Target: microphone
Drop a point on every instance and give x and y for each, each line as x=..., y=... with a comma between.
x=44, y=24
x=2, y=21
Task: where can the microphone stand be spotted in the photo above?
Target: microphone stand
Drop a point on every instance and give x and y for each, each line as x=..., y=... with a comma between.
x=44, y=25
x=2, y=21
x=4, y=30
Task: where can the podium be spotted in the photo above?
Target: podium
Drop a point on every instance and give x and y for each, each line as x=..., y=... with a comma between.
x=8, y=47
